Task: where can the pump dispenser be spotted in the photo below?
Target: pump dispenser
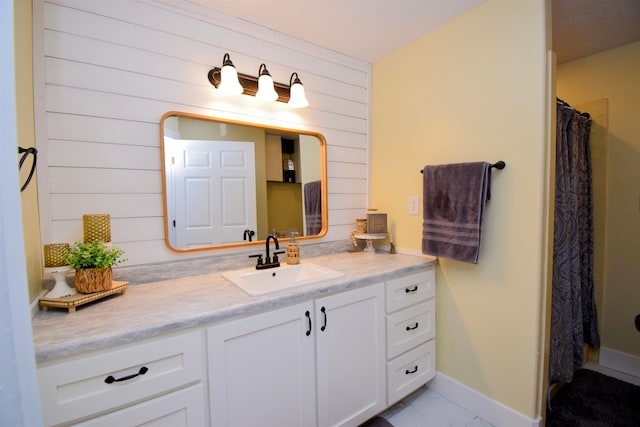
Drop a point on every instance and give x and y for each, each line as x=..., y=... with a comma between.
x=293, y=250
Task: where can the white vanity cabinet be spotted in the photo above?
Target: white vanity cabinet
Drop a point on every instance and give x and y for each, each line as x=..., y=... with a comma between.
x=156, y=381
x=411, y=331
x=316, y=363
x=336, y=360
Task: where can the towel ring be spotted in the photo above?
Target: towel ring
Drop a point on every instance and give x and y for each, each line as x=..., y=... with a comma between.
x=25, y=152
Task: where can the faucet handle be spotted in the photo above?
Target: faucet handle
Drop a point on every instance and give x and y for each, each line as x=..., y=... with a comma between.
x=275, y=256
x=259, y=256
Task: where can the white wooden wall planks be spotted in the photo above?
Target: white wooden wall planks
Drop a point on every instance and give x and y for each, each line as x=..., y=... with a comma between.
x=106, y=72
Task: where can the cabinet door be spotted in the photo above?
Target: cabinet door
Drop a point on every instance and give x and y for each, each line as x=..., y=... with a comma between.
x=350, y=349
x=262, y=370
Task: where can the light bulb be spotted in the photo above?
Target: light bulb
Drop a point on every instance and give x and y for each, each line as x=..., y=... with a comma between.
x=266, y=91
x=229, y=84
x=297, y=99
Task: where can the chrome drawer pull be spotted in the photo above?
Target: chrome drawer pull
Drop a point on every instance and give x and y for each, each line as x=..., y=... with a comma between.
x=110, y=379
x=409, y=328
x=414, y=289
x=413, y=371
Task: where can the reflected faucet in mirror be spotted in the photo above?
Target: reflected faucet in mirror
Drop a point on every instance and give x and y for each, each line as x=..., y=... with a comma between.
x=248, y=235
x=224, y=179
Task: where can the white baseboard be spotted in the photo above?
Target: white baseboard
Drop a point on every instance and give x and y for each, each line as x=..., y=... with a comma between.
x=477, y=403
x=619, y=361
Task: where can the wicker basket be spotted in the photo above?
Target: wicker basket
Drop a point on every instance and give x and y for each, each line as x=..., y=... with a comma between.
x=89, y=280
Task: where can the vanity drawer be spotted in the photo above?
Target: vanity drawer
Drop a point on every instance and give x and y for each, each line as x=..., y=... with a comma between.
x=410, y=371
x=410, y=327
x=409, y=290
x=87, y=386
x=182, y=408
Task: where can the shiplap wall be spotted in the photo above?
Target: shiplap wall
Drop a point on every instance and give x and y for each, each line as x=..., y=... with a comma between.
x=106, y=72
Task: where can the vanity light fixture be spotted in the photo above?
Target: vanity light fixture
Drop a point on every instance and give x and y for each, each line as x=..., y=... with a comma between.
x=297, y=98
x=230, y=82
x=266, y=91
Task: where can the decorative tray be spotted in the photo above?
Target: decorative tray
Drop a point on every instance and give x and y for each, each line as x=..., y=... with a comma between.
x=71, y=302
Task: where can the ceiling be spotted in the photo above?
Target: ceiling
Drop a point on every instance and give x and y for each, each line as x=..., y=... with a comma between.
x=584, y=27
x=370, y=29
x=363, y=29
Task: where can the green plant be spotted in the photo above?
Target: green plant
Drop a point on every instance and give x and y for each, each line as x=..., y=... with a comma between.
x=94, y=255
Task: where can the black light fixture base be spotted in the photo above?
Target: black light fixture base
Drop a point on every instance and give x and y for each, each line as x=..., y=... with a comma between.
x=250, y=84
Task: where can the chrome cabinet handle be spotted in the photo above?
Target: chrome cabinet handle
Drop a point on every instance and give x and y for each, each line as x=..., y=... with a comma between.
x=409, y=328
x=110, y=379
x=414, y=289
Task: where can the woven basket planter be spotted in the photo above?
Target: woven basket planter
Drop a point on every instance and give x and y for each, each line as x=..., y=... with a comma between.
x=89, y=280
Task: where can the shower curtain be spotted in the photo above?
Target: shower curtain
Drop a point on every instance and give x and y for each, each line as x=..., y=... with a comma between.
x=573, y=310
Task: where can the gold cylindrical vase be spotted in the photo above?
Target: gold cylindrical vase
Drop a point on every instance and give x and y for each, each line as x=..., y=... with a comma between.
x=96, y=227
x=55, y=254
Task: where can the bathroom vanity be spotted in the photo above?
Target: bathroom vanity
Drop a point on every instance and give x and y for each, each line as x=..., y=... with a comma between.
x=200, y=351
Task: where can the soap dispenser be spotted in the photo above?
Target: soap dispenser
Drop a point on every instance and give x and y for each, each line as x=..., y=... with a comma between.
x=293, y=250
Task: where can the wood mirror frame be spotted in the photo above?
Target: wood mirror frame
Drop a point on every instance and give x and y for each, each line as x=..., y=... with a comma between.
x=248, y=133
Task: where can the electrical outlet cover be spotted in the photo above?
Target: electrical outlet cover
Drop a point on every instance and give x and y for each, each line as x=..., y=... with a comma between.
x=414, y=205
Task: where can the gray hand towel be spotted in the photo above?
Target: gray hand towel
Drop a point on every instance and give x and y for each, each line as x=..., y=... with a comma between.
x=313, y=207
x=454, y=199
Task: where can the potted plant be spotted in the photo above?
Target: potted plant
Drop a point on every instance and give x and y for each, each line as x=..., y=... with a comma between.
x=93, y=262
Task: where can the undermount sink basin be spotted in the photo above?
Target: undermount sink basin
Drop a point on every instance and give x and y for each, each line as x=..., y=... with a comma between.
x=257, y=282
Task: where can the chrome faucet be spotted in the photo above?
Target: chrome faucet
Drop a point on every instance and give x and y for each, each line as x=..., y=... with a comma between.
x=268, y=261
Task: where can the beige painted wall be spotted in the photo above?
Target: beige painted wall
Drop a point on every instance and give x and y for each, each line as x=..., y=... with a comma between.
x=613, y=74
x=474, y=90
x=25, y=126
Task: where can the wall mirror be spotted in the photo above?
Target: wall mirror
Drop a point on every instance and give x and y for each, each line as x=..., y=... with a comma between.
x=229, y=183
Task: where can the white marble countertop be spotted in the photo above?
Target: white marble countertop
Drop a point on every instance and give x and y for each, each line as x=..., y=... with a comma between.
x=150, y=309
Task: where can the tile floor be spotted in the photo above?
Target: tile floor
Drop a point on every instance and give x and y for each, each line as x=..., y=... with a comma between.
x=426, y=408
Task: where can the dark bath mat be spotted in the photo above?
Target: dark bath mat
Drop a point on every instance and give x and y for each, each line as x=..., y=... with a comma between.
x=376, y=422
x=595, y=400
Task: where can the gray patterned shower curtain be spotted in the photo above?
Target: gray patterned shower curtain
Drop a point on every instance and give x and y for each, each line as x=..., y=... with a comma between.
x=573, y=310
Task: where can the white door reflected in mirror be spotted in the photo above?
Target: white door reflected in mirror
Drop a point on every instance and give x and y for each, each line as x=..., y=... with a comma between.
x=211, y=192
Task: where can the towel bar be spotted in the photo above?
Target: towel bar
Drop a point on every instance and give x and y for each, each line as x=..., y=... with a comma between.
x=498, y=165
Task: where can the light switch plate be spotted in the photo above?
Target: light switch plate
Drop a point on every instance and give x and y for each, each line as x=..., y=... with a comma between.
x=414, y=205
